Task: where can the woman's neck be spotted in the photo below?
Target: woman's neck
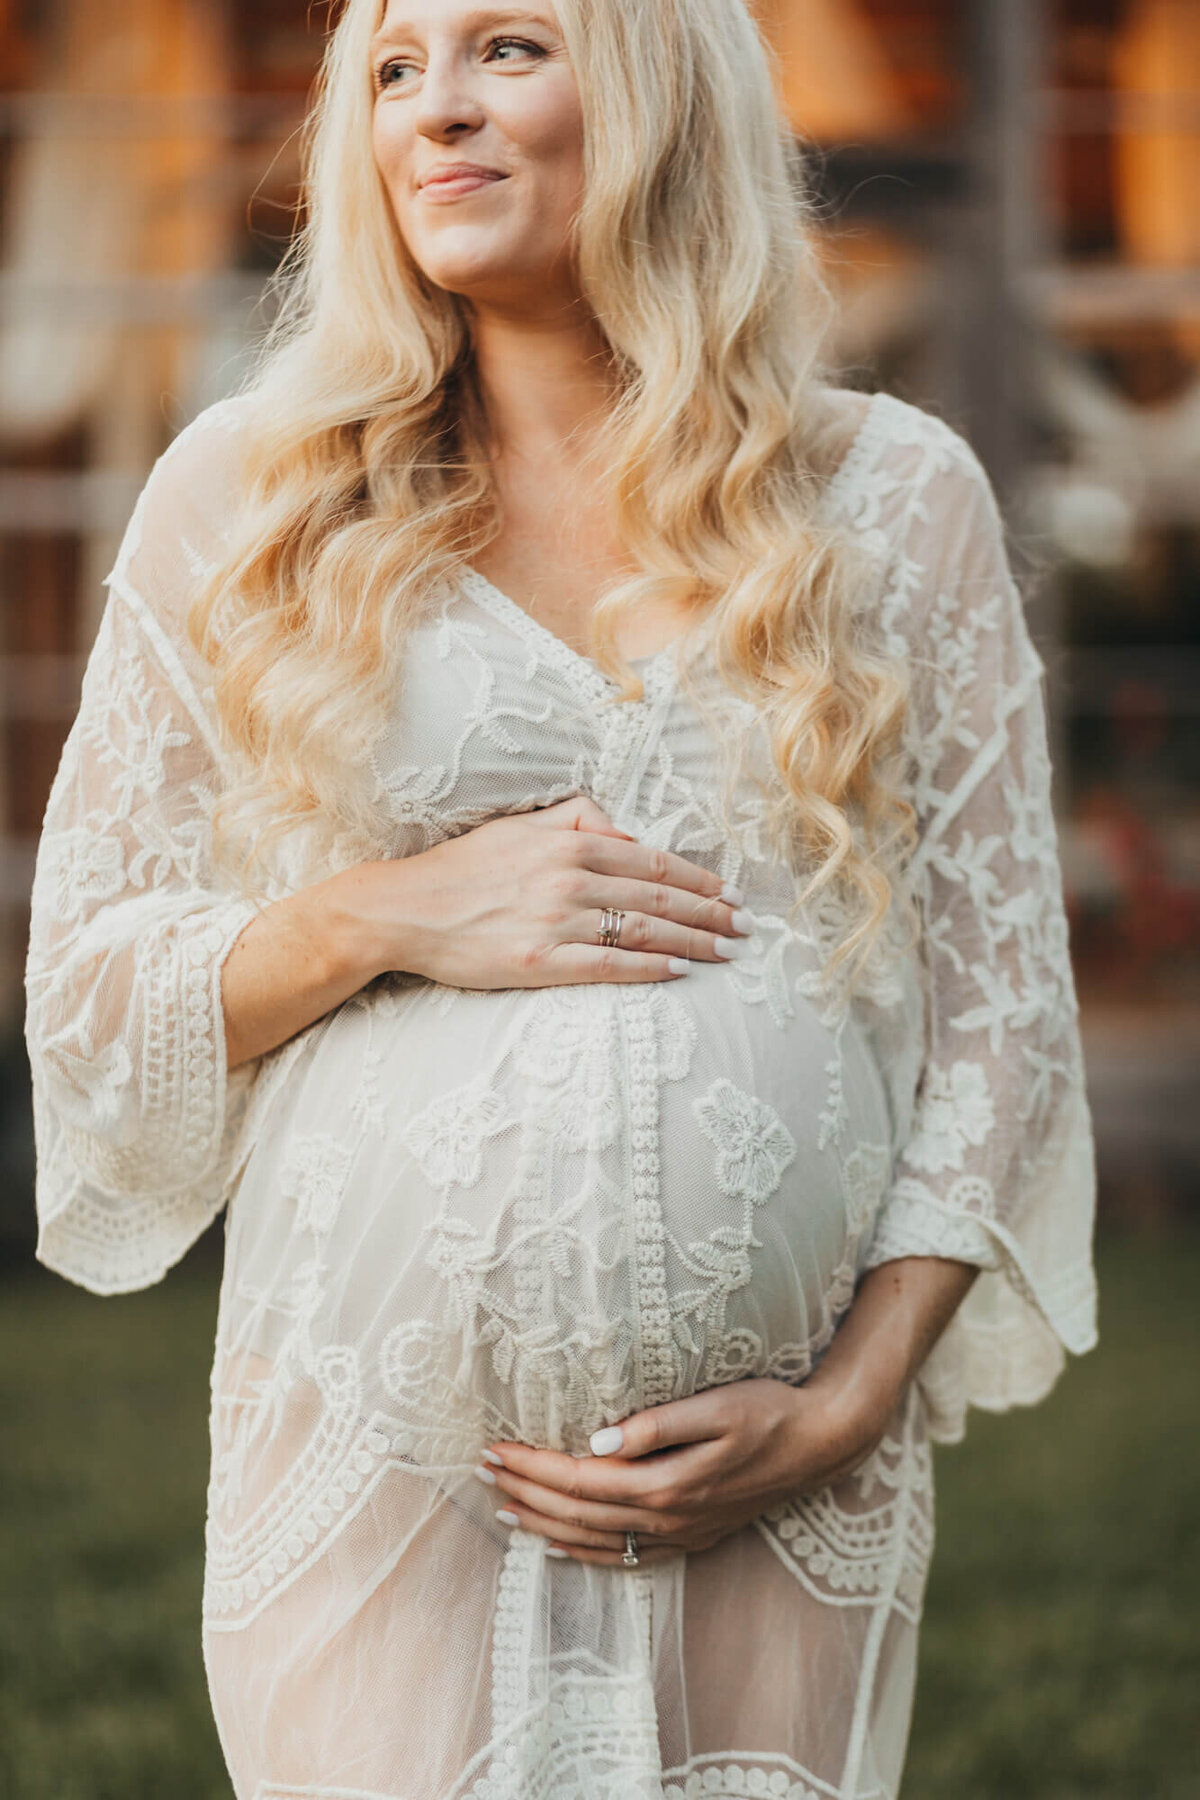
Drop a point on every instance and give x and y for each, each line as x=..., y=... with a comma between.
x=544, y=382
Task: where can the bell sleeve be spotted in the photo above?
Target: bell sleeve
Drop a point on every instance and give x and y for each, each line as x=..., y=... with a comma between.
x=134, y=1114
x=997, y=1168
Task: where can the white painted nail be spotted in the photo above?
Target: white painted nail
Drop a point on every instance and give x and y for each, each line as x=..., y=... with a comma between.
x=730, y=948
x=486, y=1475
x=491, y=1456
x=743, y=921
x=732, y=896
x=507, y=1518
x=608, y=1441
x=679, y=965
x=553, y=1550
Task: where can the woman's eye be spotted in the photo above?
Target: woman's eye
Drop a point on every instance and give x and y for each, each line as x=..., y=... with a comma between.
x=392, y=72
x=499, y=48
x=398, y=70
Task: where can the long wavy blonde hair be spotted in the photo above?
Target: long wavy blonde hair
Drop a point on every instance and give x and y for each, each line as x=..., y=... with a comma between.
x=367, y=461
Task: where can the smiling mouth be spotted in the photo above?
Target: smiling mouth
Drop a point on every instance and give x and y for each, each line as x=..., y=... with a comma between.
x=460, y=178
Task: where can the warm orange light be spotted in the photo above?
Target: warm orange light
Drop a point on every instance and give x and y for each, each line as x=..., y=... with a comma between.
x=837, y=83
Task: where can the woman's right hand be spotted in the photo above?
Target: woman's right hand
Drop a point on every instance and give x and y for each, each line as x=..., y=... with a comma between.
x=516, y=902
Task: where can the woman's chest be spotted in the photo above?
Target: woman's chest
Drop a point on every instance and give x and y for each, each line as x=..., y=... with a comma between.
x=495, y=715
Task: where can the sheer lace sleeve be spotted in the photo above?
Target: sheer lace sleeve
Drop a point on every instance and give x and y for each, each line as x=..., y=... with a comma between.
x=133, y=1110
x=998, y=1167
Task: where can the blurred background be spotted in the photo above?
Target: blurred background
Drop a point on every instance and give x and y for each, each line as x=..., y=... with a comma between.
x=1009, y=202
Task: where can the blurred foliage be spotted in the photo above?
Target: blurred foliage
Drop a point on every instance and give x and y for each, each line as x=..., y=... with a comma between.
x=1060, y=1658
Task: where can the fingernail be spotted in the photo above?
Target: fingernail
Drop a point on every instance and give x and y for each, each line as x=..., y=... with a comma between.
x=553, y=1550
x=606, y=1442
x=679, y=965
x=490, y=1456
x=486, y=1475
x=508, y=1518
x=730, y=948
x=732, y=896
x=743, y=921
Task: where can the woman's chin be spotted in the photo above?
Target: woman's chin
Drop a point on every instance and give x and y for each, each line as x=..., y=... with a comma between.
x=477, y=274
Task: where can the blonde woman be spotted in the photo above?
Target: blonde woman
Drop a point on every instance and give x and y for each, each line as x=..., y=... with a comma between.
x=557, y=837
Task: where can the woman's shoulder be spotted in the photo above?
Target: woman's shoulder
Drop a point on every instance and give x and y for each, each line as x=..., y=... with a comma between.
x=901, y=454
x=917, y=502
x=185, y=513
x=203, y=461
x=180, y=533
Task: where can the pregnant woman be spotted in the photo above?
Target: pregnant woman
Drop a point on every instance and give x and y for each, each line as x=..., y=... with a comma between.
x=557, y=838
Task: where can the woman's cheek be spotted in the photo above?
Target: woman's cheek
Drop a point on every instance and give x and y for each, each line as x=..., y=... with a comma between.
x=392, y=146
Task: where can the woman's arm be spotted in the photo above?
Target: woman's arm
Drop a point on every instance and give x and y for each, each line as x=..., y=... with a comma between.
x=900, y=1311
x=513, y=903
x=687, y=1474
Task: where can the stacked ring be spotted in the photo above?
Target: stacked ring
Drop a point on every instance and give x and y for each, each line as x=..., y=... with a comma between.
x=631, y=1558
x=611, y=920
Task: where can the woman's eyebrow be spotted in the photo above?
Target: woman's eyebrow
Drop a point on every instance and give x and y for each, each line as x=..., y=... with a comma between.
x=391, y=30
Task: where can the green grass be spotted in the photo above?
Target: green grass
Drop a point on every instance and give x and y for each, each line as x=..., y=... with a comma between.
x=1061, y=1651
x=104, y=1454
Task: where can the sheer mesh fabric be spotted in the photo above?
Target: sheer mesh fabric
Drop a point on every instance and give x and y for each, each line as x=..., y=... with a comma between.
x=459, y=1216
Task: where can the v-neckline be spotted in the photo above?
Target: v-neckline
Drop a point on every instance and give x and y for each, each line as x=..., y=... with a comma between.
x=559, y=654
x=578, y=667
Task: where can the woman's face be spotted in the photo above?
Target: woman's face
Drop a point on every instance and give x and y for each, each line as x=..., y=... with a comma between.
x=478, y=134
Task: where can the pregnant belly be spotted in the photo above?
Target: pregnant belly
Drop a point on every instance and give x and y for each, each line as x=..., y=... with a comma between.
x=533, y=1212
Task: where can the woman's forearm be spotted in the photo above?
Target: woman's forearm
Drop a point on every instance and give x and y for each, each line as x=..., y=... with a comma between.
x=898, y=1314
x=296, y=961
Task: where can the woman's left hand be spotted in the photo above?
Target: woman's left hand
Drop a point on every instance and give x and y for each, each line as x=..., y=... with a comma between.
x=685, y=1475
x=682, y=1475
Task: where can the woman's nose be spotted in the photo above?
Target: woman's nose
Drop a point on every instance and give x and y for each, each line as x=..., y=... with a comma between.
x=447, y=107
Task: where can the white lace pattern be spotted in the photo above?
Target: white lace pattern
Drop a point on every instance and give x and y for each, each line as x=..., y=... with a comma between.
x=457, y=1216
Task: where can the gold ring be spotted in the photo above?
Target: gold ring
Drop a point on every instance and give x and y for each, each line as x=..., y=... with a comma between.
x=611, y=920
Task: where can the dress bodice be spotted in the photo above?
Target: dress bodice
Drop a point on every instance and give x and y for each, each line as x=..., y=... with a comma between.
x=496, y=715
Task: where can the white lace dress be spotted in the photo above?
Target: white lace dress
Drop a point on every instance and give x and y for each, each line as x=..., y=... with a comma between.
x=462, y=1216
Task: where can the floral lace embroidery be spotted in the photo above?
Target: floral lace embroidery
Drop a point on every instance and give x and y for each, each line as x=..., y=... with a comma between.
x=438, y=1420
x=564, y=1732
x=315, y=1176
x=566, y=1061
x=865, y=1174
x=852, y=1554
x=712, y=1778
x=569, y=1056
x=740, y=1353
x=447, y=1138
x=81, y=869
x=956, y=1110
x=753, y=1145
x=323, y=1488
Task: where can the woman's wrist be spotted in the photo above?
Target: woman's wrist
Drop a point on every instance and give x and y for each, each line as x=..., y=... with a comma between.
x=362, y=922
x=898, y=1314
x=855, y=1400
x=299, y=959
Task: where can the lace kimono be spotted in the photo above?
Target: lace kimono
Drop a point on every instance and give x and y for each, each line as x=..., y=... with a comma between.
x=457, y=1216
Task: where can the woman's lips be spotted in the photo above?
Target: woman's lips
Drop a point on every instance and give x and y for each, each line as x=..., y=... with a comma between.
x=458, y=179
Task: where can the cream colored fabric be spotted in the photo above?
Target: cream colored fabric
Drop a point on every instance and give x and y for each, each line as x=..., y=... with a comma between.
x=457, y=1216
